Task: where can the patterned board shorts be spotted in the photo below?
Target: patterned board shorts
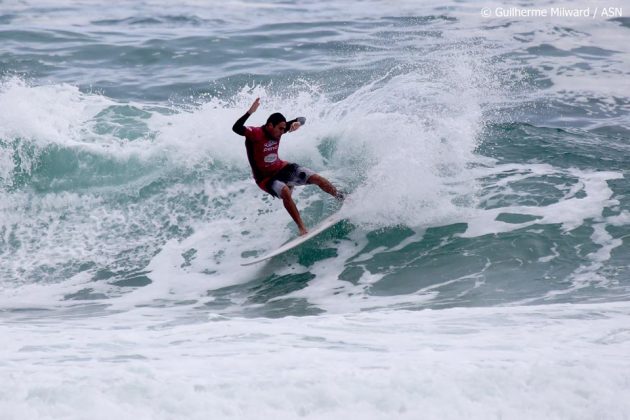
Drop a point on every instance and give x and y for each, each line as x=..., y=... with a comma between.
x=291, y=175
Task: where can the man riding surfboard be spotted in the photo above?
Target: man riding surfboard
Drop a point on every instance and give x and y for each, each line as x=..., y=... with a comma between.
x=273, y=175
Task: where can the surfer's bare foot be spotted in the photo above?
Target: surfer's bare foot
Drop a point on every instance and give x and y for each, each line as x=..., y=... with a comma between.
x=303, y=231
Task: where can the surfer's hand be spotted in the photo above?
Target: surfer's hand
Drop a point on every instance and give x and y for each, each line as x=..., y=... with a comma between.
x=294, y=126
x=254, y=106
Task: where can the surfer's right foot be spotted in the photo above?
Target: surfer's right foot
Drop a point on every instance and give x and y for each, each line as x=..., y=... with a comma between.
x=303, y=231
x=340, y=196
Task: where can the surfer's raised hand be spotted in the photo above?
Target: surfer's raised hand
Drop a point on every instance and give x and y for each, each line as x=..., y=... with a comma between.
x=254, y=106
x=295, y=126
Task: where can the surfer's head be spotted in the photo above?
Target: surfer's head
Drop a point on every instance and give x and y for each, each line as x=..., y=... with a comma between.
x=276, y=125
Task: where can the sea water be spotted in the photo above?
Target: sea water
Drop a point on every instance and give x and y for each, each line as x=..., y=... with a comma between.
x=482, y=269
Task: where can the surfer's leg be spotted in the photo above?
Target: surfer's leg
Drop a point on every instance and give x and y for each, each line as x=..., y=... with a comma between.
x=289, y=204
x=325, y=185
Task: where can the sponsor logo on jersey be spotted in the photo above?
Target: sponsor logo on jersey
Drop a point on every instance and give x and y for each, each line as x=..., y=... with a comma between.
x=270, y=158
x=270, y=146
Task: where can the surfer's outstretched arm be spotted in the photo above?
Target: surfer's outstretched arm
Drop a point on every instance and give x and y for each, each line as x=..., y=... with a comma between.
x=239, y=125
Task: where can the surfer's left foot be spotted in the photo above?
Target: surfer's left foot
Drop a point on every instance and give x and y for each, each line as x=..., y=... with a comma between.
x=303, y=231
x=340, y=196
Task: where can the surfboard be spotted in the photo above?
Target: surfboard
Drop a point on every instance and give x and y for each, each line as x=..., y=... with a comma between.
x=323, y=225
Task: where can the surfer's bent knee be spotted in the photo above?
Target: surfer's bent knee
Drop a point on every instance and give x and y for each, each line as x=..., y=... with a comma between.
x=285, y=192
x=315, y=179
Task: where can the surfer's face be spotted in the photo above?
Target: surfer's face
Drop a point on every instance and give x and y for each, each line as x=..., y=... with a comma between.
x=275, y=131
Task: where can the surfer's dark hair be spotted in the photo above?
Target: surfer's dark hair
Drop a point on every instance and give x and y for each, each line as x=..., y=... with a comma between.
x=276, y=118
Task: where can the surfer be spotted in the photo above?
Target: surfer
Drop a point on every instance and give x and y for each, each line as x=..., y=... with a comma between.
x=273, y=175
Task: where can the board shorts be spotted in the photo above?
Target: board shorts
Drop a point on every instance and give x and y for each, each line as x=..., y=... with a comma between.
x=290, y=176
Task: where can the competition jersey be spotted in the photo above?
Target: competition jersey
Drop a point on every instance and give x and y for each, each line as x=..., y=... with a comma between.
x=262, y=153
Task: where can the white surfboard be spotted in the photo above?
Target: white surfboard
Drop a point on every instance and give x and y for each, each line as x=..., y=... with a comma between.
x=325, y=224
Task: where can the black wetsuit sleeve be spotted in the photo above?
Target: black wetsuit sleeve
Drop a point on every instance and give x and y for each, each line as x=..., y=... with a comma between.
x=239, y=125
x=301, y=120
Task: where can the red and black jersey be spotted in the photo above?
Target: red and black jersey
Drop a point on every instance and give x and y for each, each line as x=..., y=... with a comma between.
x=262, y=151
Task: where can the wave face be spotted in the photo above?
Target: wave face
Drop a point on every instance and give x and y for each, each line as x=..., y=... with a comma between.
x=485, y=161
